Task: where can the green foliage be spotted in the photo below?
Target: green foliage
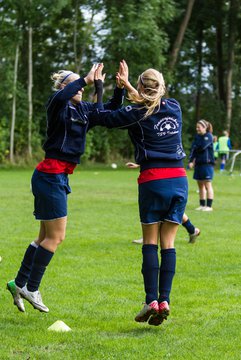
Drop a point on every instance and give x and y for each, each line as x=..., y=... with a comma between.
x=74, y=34
x=4, y=139
x=132, y=33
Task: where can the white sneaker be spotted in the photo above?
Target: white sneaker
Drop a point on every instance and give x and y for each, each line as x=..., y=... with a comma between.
x=138, y=241
x=208, y=208
x=192, y=237
x=34, y=298
x=15, y=292
x=200, y=208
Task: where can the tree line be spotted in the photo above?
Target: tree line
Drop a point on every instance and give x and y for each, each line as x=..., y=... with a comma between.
x=195, y=43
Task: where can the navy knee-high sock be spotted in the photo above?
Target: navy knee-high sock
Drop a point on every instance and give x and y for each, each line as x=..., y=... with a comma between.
x=40, y=262
x=167, y=272
x=189, y=226
x=150, y=269
x=26, y=265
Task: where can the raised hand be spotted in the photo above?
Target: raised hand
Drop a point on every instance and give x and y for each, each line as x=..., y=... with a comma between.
x=98, y=73
x=89, y=79
x=122, y=75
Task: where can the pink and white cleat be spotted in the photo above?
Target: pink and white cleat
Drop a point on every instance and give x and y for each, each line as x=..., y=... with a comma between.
x=163, y=313
x=147, y=311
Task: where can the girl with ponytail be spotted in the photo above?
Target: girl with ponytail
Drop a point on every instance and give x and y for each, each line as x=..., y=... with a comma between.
x=68, y=120
x=154, y=125
x=202, y=160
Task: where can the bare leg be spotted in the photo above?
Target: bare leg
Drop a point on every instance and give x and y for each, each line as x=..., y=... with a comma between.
x=150, y=233
x=168, y=234
x=202, y=189
x=210, y=192
x=52, y=233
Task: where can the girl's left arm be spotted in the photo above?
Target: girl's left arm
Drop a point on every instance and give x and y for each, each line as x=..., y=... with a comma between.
x=122, y=118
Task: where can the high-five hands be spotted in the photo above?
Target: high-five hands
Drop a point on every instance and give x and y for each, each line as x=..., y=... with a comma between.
x=98, y=73
x=122, y=78
x=89, y=78
x=122, y=75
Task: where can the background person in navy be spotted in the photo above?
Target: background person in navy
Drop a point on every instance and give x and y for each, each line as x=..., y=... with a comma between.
x=202, y=159
x=67, y=125
x=154, y=125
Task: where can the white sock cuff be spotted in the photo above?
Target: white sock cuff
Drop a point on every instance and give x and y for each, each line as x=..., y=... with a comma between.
x=34, y=244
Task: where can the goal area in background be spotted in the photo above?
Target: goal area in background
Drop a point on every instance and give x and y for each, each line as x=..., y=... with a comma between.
x=234, y=162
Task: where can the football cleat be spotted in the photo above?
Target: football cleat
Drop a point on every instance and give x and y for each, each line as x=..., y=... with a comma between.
x=15, y=292
x=34, y=298
x=147, y=311
x=192, y=237
x=138, y=241
x=163, y=313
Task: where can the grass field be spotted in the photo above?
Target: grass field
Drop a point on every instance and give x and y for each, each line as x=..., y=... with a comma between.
x=94, y=283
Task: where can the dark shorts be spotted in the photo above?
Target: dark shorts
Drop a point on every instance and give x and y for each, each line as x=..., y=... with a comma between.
x=163, y=200
x=203, y=172
x=50, y=195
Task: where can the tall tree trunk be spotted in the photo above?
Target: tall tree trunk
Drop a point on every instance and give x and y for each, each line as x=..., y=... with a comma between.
x=179, y=39
x=219, y=47
x=14, y=104
x=75, y=33
x=199, y=74
x=79, y=54
x=233, y=11
x=30, y=86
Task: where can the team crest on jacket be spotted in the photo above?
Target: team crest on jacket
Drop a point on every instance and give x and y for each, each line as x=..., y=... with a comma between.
x=167, y=126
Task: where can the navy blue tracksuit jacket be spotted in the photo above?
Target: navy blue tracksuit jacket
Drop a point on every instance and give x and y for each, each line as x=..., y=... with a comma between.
x=67, y=124
x=157, y=139
x=202, y=150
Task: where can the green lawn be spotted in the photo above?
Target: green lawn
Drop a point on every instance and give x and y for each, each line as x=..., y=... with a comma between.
x=94, y=283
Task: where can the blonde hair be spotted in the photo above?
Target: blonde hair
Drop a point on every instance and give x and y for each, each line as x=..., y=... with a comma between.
x=59, y=78
x=207, y=125
x=151, y=88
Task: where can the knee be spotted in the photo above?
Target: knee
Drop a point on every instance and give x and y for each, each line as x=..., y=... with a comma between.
x=57, y=240
x=60, y=239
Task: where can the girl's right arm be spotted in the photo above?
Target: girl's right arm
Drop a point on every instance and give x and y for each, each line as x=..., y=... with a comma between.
x=60, y=97
x=192, y=154
x=122, y=78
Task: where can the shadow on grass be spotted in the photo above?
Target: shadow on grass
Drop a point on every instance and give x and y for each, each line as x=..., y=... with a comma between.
x=141, y=331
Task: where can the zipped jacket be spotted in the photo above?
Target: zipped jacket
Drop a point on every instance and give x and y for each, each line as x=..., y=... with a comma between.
x=157, y=138
x=202, y=150
x=67, y=124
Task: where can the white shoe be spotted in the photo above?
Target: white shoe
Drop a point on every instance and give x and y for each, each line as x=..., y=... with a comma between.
x=34, y=298
x=208, y=208
x=200, y=208
x=15, y=292
x=138, y=241
x=192, y=237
